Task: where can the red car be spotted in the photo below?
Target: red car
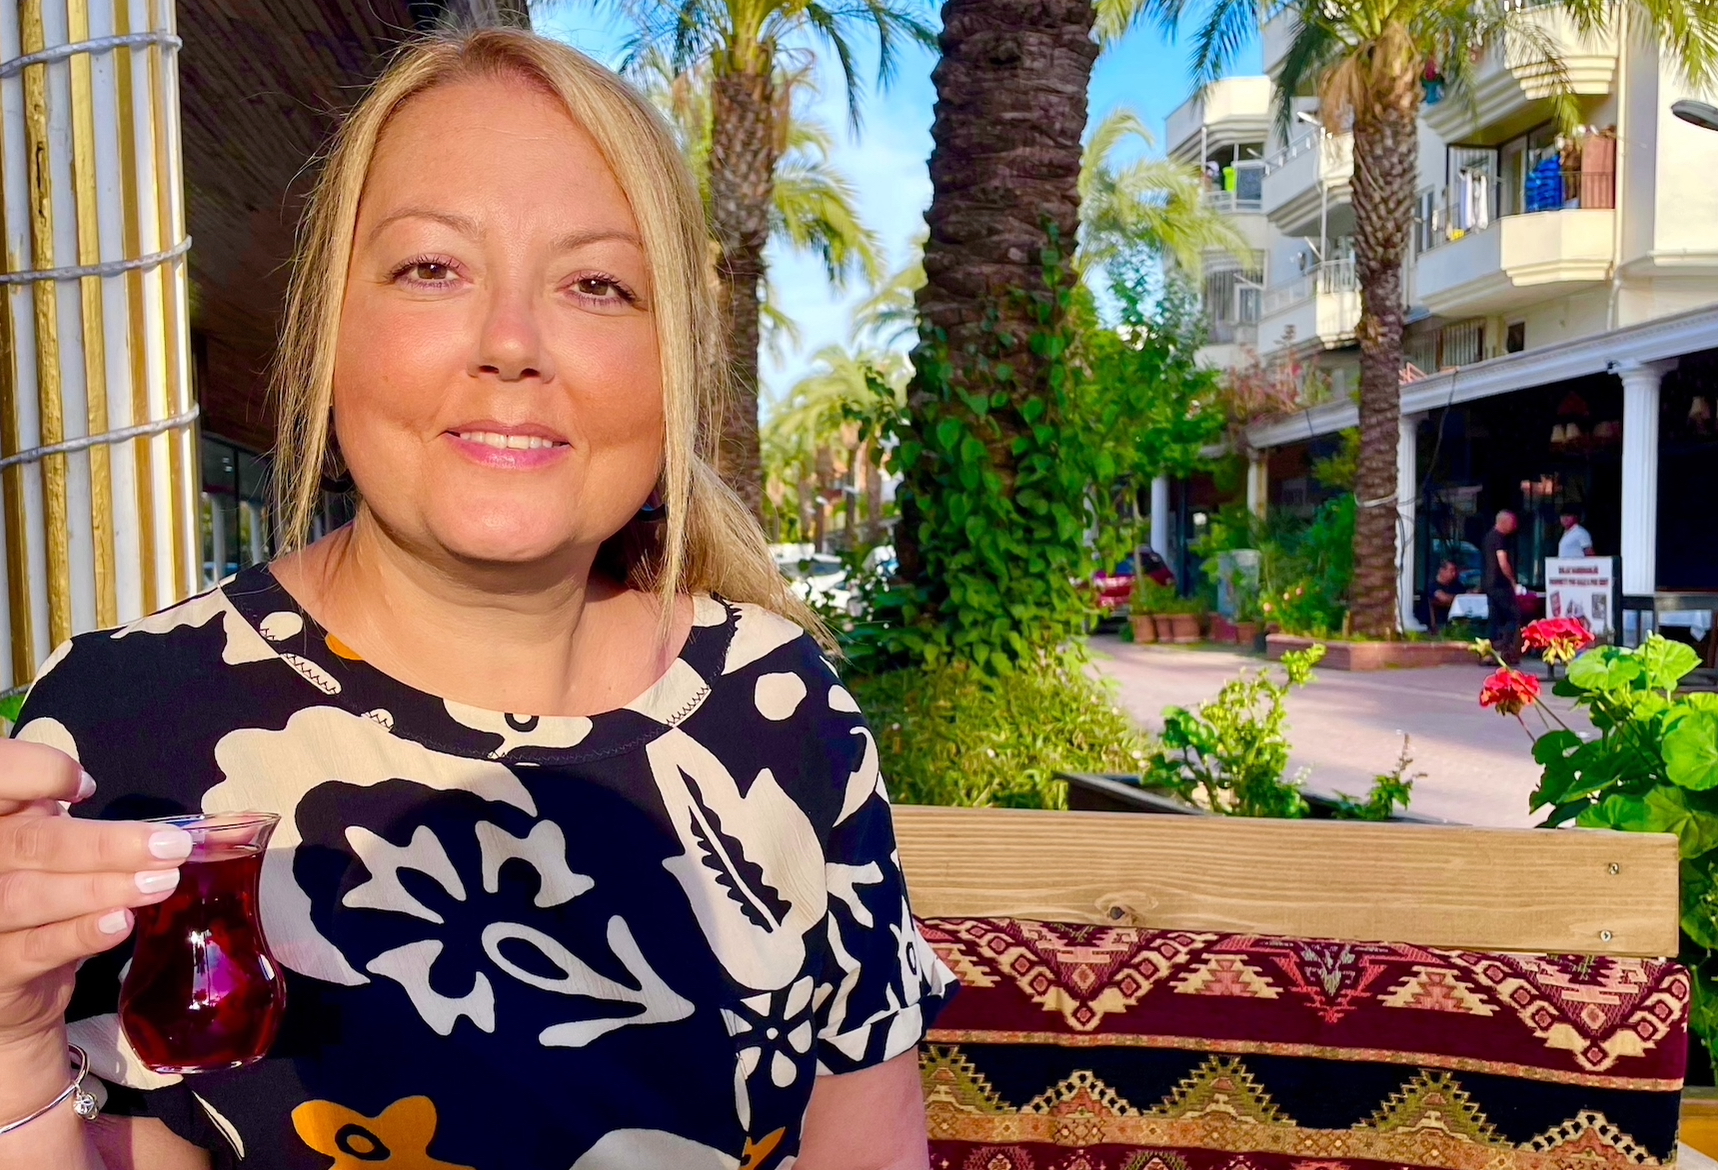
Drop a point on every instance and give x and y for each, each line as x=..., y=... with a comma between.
x=1112, y=590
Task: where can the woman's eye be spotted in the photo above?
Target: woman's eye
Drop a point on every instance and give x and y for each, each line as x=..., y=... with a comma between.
x=597, y=286
x=430, y=271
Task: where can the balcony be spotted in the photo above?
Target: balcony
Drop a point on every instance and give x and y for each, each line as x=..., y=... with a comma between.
x=1511, y=89
x=1246, y=194
x=1319, y=309
x=1228, y=113
x=1305, y=179
x=1474, y=261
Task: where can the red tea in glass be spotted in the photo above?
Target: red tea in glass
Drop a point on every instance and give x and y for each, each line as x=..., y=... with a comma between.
x=203, y=993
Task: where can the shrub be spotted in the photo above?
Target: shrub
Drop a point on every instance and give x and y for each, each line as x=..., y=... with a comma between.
x=1230, y=754
x=953, y=734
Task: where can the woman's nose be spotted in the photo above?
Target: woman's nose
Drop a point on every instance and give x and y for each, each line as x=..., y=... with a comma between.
x=511, y=344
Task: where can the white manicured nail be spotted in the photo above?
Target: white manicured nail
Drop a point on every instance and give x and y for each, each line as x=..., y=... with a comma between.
x=86, y=786
x=170, y=844
x=154, y=881
x=114, y=922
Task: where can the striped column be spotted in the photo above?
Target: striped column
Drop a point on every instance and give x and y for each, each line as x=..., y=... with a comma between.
x=98, y=467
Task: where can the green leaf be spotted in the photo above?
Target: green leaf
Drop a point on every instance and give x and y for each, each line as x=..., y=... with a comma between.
x=948, y=434
x=1662, y=810
x=1604, y=670
x=1690, y=748
x=10, y=708
x=1666, y=662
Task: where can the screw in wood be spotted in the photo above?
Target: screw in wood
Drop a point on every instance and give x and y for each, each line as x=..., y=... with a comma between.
x=1615, y=869
x=1117, y=913
x=1605, y=936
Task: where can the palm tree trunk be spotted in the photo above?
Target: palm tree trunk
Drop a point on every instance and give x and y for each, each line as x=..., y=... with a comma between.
x=807, y=499
x=743, y=155
x=1005, y=166
x=1386, y=160
x=873, y=494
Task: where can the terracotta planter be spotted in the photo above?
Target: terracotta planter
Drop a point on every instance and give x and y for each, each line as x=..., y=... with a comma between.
x=1224, y=631
x=1144, y=628
x=1183, y=627
x=1341, y=655
x=1246, y=633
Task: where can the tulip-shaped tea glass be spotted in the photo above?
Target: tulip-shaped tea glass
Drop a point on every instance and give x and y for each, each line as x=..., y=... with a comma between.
x=203, y=993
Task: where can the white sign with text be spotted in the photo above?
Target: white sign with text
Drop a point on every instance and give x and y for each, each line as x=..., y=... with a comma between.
x=1582, y=587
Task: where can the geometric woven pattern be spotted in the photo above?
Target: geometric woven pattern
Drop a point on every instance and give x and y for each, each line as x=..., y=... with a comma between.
x=1116, y=1048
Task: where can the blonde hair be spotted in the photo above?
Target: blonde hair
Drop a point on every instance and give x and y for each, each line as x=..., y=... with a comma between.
x=710, y=541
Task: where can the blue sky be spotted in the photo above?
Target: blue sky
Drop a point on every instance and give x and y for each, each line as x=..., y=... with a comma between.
x=886, y=160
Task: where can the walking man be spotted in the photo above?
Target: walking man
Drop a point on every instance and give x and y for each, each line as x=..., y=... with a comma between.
x=1497, y=567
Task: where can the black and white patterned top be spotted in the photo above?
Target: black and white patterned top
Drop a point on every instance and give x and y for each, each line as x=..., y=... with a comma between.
x=629, y=940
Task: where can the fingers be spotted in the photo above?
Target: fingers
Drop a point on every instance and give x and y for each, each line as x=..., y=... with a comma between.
x=30, y=954
x=70, y=845
x=31, y=898
x=35, y=771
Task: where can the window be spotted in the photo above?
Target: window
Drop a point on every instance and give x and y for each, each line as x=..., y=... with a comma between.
x=1515, y=338
x=236, y=525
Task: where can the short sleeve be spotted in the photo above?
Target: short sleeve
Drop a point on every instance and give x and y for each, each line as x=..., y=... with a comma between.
x=886, y=983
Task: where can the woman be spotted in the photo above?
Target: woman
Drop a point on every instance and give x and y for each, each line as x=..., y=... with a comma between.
x=583, y=857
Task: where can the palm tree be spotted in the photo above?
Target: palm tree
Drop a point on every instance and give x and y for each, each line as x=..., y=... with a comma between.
x=829, y=424
x=745, y=45
x=813, y=205
x=1365, y=59
x=1150, y=204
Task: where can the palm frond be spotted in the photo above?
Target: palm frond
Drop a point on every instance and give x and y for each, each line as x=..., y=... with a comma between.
x=815, y=211
x=1153, y=203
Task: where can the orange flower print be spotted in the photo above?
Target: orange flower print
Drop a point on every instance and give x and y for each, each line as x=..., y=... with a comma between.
x=398, y=1139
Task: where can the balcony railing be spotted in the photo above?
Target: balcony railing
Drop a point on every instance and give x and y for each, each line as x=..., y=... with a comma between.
x=1248, y=190
x=1296, y=147
x=1230, y=299
x=1332, y=276
x=1474, y=203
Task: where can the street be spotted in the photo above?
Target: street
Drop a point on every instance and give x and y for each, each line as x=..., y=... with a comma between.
x=1347, y=727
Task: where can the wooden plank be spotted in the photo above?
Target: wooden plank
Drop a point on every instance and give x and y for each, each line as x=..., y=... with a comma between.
x=1577, y=892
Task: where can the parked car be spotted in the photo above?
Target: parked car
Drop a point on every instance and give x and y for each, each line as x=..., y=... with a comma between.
x=818, y=578
x=1113, y=590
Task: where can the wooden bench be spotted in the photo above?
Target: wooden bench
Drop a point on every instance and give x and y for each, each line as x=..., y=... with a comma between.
x=1451, y=887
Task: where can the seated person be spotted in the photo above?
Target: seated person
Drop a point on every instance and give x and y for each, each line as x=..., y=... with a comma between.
x=1434, y=608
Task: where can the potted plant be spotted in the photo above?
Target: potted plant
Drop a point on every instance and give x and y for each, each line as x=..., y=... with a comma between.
x=1248, y=617
x=1184, y=621
x=1148, y=602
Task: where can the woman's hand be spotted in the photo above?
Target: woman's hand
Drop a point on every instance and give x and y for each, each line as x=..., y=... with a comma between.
x=67, y=889
x=873, y=1119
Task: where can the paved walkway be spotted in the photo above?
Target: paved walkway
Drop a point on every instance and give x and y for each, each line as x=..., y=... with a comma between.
x=1347, y=726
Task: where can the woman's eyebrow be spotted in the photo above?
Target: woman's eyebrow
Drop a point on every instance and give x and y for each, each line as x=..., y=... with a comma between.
x=578, y=239
x=463, y=224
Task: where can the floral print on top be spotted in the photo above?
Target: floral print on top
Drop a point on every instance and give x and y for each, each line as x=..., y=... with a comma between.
x=512, y=942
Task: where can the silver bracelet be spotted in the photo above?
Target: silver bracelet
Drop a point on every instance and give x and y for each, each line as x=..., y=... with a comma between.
x=82, y=1103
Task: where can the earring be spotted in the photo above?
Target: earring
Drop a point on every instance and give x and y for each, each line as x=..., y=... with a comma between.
x=655, y=509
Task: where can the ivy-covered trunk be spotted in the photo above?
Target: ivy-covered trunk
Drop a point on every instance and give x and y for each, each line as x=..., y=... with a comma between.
x=744, y=149
x=992, y=515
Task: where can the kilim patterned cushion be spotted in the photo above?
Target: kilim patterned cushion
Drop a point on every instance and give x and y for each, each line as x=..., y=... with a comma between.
x=1113, y=1048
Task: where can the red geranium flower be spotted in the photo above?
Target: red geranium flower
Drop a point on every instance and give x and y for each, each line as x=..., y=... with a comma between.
x=1509, y=692
x=1557, y=639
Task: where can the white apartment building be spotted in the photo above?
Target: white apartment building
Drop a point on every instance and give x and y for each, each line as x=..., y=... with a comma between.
x=1562, y=292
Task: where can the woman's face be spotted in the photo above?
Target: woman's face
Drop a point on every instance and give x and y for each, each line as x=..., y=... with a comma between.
x=497, y=392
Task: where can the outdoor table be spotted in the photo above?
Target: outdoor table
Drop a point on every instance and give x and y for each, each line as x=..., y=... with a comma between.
x=1472, y=606
x=1475, y=607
